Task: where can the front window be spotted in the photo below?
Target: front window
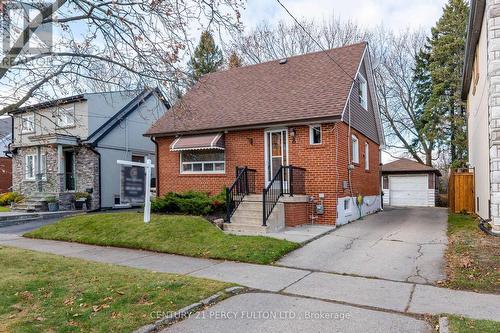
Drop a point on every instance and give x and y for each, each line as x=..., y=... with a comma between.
x=363, y=92
x=65, y=117
x=28, y=124
x=30, y=167
x=355, y=149
x=315, y=134
x=203, y=161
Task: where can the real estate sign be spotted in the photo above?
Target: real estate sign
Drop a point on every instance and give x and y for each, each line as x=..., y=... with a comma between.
x=133, y=185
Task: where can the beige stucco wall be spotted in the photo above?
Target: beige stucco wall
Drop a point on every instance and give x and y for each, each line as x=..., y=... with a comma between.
x=45, y=123
x=477, y=108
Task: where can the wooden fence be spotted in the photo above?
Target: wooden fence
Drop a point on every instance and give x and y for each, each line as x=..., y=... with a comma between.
x=461, y=196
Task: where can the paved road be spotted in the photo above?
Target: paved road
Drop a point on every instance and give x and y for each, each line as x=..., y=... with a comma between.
x=400, y=244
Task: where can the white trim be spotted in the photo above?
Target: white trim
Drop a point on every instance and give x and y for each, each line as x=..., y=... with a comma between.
x=363, y=88
x=213, y=172
x=353, y=160
x=353, y=82
x=266, y=149
x=33, y=165
x=375, y=105
x=311, y=129
x=367, y=156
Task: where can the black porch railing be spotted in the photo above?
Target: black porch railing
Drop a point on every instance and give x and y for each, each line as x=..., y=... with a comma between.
x=287, y=180
x=243, y=185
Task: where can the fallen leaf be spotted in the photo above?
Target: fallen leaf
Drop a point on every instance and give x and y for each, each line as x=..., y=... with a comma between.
x=69, y=301
x=39, y=318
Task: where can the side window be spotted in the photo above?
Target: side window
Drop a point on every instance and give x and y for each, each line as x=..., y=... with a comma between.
x=363, y=91
x=367, y=156
x=355, y=149
x=315, y=135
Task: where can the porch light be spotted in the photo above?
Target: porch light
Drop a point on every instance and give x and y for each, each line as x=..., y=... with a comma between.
x=293, y=133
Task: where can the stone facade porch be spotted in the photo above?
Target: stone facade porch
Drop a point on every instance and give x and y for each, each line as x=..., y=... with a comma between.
x=57, y=179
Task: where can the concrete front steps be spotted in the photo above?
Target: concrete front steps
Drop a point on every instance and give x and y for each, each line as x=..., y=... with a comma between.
x=248, y=218
x=35, y=202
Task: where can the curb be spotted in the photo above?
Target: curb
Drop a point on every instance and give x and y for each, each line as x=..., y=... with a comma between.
x=187, y=310
x=20, y=219
x=443, y=325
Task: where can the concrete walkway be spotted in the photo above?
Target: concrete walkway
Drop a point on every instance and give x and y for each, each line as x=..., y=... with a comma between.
x=400, y=244
x=402, y=297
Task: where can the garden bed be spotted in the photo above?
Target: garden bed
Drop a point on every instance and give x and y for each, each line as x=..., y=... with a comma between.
x=473, y=258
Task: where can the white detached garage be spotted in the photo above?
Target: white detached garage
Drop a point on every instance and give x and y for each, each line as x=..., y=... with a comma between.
x=407, y=183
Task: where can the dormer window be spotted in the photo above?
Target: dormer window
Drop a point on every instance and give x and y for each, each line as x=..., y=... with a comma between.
x=363, y=91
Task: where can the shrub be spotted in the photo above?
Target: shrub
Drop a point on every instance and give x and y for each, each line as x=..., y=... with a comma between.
x=10, y=197
x=192, y=203
x=81, y=195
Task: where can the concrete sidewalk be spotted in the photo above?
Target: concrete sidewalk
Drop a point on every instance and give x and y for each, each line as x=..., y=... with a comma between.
x=378, y=294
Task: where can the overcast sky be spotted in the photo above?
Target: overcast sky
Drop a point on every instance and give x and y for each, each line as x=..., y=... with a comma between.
x=396, y=14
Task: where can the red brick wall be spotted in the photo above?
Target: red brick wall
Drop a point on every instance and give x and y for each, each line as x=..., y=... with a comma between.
x=247, y=148
x=296, y=213
x=5, y=174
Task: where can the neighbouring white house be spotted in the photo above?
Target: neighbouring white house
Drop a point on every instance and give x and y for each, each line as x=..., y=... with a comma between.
x=407, y=183
x=481, y=92
x=70, y=145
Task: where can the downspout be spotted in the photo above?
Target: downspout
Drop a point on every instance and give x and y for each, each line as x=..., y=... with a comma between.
x=92, y=148
x=157, y=180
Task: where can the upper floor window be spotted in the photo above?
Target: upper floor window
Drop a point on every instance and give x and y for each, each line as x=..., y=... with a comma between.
x=65, y=117
x=203, y=161
x=315, y=134
x=28, y=123
x=363, y=92
x=355, y=149
x=367, y=156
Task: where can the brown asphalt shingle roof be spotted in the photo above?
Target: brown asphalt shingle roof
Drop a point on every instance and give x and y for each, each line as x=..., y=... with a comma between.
x=306, y=87
x=406, y=165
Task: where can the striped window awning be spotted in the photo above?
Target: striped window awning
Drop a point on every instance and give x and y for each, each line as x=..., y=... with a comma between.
x=197, y=142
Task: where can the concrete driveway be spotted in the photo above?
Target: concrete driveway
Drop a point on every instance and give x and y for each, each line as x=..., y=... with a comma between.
x=401, y=244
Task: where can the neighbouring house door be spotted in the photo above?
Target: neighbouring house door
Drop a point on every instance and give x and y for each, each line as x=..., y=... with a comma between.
x=276, y=150
x=69, y=170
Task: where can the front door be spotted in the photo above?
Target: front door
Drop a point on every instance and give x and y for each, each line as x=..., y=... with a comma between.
x=69, y=170
x=276, y=150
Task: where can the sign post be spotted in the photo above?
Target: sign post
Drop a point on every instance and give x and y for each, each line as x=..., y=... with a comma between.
x=147, y=192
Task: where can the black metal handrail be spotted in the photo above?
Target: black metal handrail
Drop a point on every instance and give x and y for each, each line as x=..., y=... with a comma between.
x=243, y=185
x=287, y=180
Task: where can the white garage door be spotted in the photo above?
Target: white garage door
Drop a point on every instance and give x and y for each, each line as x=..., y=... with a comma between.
x=409, y=190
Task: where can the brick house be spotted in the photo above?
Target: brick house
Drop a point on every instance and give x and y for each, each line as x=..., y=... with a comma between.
x=72, y=144
x=295, y=141
x=5, y=160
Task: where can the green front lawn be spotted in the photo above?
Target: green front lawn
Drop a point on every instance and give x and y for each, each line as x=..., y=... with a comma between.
x=465, y=325
x=185, y=235
x=49, y=293
x=4, y=209
x=473, y=258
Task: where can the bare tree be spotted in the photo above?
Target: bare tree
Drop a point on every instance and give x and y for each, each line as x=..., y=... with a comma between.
x=100, y=45
x=397, y=93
